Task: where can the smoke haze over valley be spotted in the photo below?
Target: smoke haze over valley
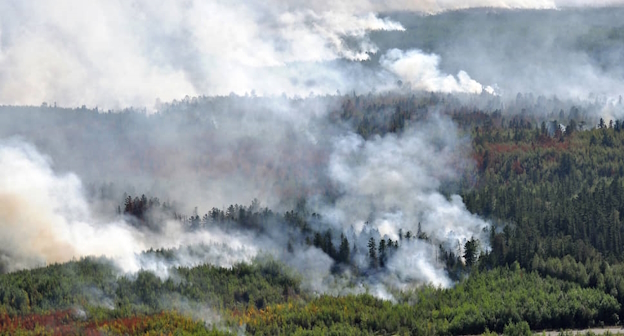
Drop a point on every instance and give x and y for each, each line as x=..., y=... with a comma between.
x=301, y=131
x=116, y=54
x=275, y=149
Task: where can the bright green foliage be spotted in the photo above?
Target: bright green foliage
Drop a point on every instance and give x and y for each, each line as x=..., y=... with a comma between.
x=491, y=300
x=555, y=198
x=94, y=283
x=517, y=329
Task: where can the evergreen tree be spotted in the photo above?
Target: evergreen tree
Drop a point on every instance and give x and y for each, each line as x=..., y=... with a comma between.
x=471, y=250
x=382, y=253
x=344, y=251
x=372, y=253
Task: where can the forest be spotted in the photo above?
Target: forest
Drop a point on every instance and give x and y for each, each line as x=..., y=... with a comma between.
x=312, y=167
x=550, y=185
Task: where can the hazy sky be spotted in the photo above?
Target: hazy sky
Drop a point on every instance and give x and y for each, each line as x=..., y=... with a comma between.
x=115, y=54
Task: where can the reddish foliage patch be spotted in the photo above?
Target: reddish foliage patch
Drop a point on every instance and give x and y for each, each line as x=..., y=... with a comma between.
x=64, y=323
x=128, y=323
x=517, y=167
x=496, y=148
x=494, y=152
x=507, y=148
x=61, y=322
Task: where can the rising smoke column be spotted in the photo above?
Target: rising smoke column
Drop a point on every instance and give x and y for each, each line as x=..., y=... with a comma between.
x=421, y=72
x=390, y=183
x=118, y=54
x=45, y=218
x=43, y=215
x=115, y=54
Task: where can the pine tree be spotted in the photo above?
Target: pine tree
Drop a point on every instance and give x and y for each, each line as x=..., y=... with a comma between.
x=382, y=253
x=372, y=253
x=128, y=204
x=328, y=246
x=318, y=240
x=344, y=251
x=408, y=235
x=471, y=249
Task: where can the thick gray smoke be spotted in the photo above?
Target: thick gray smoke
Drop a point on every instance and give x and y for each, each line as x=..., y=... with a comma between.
x=391, y=183
x=115, y=54
x=216, y=151
x=45, y=218
x=119, y=54
x=572, y=53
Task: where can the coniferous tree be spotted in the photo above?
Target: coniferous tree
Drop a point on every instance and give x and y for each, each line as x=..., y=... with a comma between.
x=344, y=251
x=382, y=253
x=372, y=253
x=471, y=250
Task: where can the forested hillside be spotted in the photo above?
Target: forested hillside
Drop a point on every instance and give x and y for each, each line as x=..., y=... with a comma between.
x=552, y=258
x=318, y=167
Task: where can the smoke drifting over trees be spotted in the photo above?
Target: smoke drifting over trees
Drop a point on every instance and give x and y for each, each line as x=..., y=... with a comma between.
x=389, y=182
x=117, y=54
x=198, y=105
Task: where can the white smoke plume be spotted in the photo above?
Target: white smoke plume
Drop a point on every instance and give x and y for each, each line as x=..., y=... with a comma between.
x=391, y=183
x=421, y=72
x=45, y=218
x=115, y=54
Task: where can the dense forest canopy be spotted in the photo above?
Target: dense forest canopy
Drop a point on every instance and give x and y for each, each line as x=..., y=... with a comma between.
x=316, y=168
x=544, y=185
